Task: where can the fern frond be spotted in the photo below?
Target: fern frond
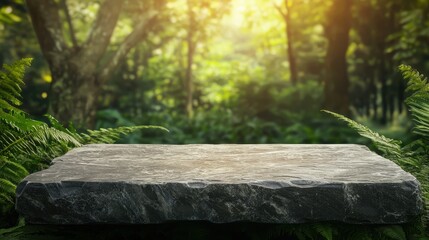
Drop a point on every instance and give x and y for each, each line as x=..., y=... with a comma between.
x=11, y=81
x=12, y=171
x=419, y=107
x=6, y=199
x=394, y=232
x=416, y=80
x=70, y=130
x=388, y=146
x=17, y=121
x=418, y=101
x=7, y=194
x=40, y=138
x=324, y=230
x=7, y=186
x=111, y=135
x=359, y=235
x=55, y=123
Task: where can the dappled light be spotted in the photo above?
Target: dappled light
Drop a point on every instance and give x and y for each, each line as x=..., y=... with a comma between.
x=269, y=72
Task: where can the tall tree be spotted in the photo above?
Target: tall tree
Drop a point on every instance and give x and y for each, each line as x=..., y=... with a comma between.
x=376, y=23
x=336, y=77
x=199, y=15
x=80, y=69
x=286, y=14
x=191, y=45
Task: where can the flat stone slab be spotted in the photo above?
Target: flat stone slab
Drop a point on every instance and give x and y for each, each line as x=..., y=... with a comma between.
x=277, y=183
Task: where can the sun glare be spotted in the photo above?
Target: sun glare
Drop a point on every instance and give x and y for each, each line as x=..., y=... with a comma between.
x=238, y=10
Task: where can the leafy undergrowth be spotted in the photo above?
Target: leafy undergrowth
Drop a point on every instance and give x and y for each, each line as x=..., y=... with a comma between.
x=197, y=230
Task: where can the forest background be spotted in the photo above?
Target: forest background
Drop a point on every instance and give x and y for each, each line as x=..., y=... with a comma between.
x=226, y=71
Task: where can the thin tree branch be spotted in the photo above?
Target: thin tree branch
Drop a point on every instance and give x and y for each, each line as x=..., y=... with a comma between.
x=139, y=34
x=70, y=23
x=279, y=9
x=48, y=28
x=99, y=37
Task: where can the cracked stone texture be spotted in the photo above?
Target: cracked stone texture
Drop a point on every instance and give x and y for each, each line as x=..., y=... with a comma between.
x=268, y=183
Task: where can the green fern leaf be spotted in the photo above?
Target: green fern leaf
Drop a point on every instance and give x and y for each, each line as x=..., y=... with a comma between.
x=393, y=232
x=39, y=136
x=418, y=101
x=55, y=123
x=11, y=81
x=324, y=230
x=111, y=135
x=6, y=199
x=17, y=121
x=387, y=146
x=7, y=186
x=12, y=171
x=10, y=97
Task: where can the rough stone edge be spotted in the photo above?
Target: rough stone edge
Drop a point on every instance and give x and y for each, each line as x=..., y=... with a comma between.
x=351, y=217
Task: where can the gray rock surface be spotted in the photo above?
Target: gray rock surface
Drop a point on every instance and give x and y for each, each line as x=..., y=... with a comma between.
x=277, y=183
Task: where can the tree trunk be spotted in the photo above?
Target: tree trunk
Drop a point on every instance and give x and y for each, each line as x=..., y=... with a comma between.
x=373, y=90
x=336, y=77
x=189, y=86
x=73, y=96
x=77, y=71
x=383, y=79
x=374, y=95
x=289, y=46
x=400, y=94
x=385, y=26
x=290, y=50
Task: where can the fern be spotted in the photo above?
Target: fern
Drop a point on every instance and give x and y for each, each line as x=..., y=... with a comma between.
x=7, y=190
x=11, y=81
x=12, y=171
x=386, y=145
x=394, y=232
x=418, y=102
x=39, y=138
x=111, y=135
x=324, y=230
x=11, y=84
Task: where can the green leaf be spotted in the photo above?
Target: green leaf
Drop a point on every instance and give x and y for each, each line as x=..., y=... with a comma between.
x=387, y=146
x=324, y=230
x=111, y=135
x=394, y=232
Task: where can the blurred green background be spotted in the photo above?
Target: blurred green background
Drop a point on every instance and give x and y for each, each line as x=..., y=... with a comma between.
x=226, y=71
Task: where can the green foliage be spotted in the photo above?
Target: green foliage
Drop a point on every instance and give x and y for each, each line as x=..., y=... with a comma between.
x=387, y=146
x=11, y=78
x=22, y=136
x=7, y=15
x=223, y=126
x=27, y=145
x=189, y=230
x=418, y=102
x=414, y=156
x=111, y=135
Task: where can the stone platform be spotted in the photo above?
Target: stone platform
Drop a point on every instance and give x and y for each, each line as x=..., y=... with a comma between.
x=135, y=184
